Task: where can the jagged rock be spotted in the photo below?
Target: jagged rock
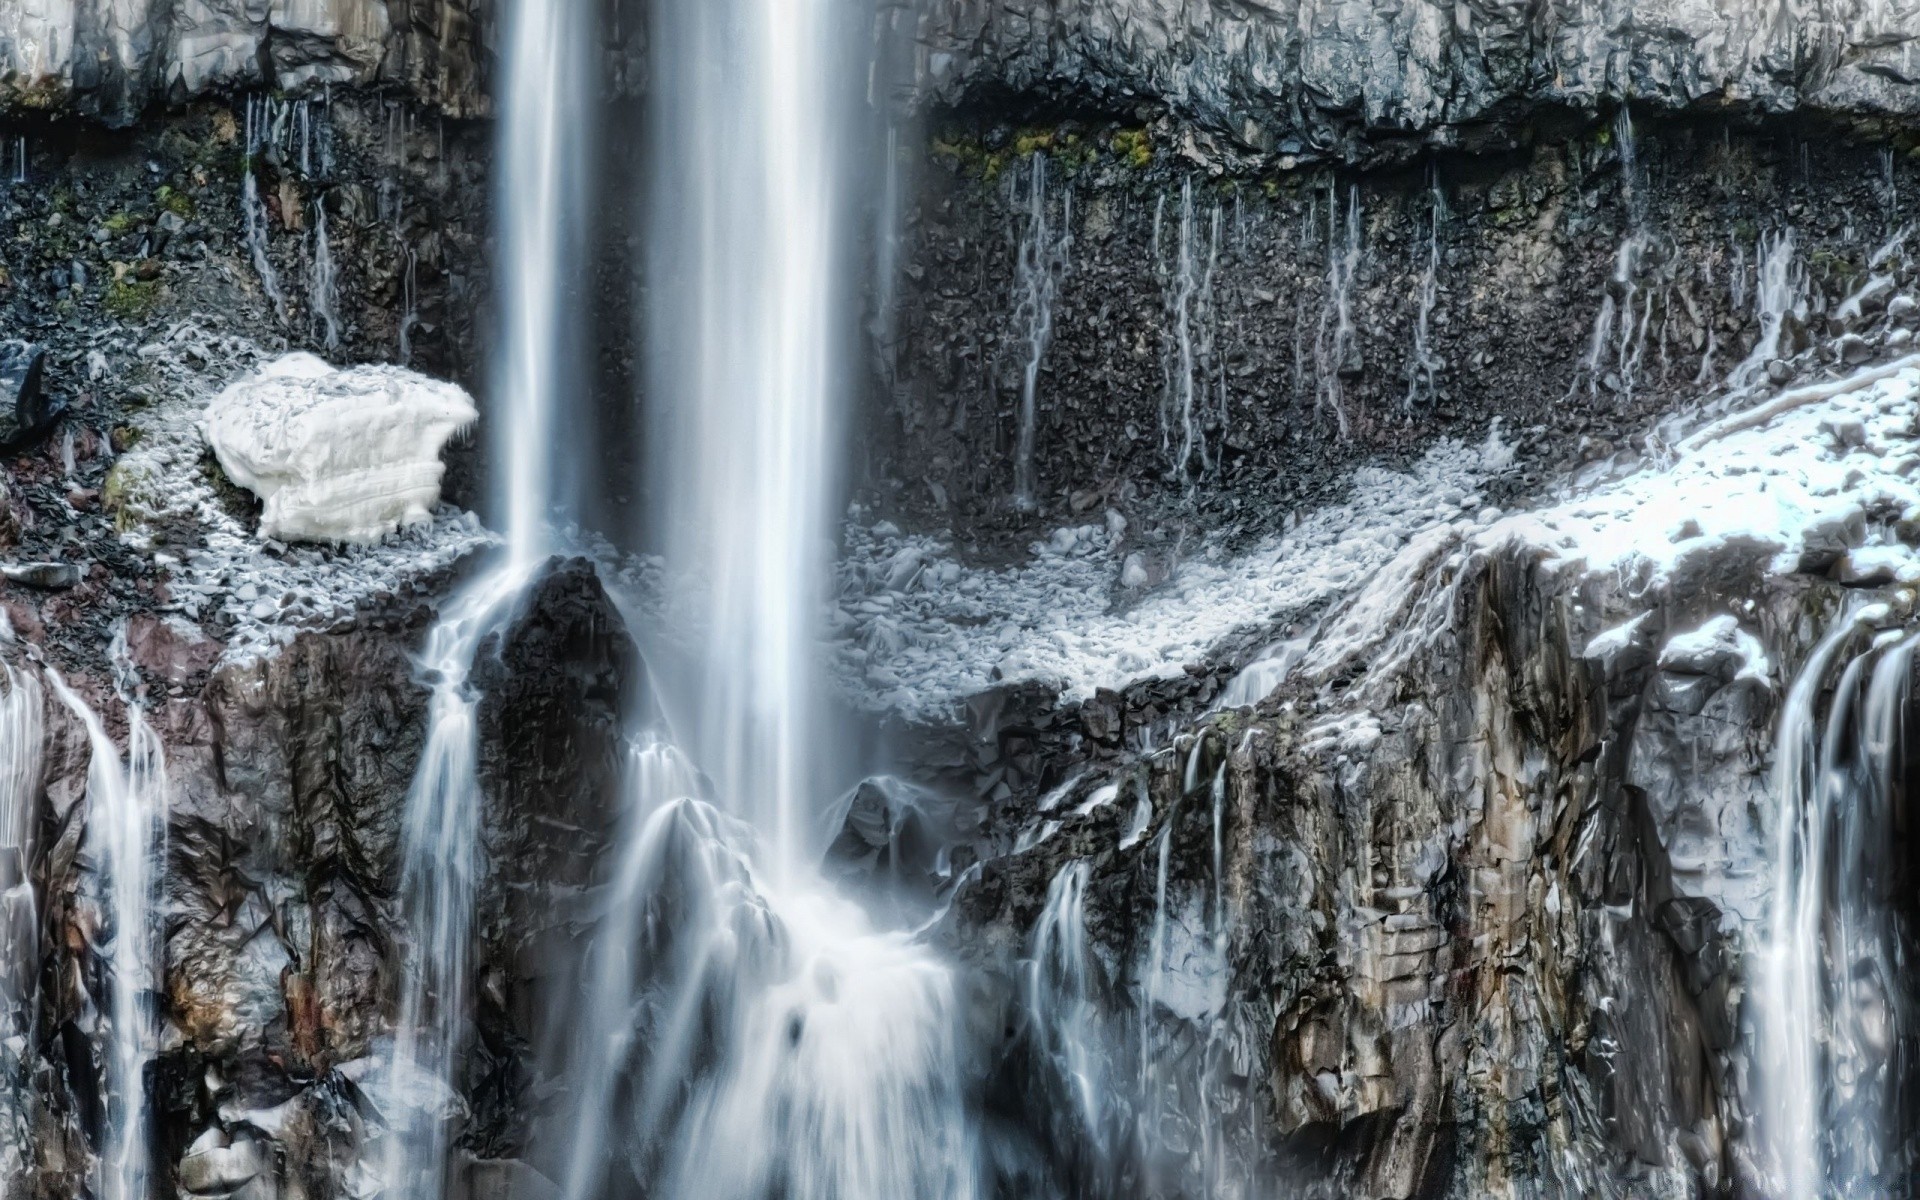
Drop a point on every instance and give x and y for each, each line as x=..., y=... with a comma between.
x=114, y=58
x=26, y=411
x=49, y=576
x=1294, y=76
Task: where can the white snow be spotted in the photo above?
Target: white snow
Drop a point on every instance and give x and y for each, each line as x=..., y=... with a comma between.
x=1814, y=476
x=336, y=455
x=950, y=632
x=1717, y=643
x=1783, y=489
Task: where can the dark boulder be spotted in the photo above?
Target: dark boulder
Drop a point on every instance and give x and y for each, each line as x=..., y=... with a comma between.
x=26, y=410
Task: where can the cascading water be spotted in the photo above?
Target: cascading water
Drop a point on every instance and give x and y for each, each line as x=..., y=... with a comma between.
x=793, y=1048
x=1043, y=257
x=1423, y=364
x=253, y=210
x=20, y=753
x=1830, y=998
x=1778, y=293
x=323, y=286
x=543, y=189
x=125, y=835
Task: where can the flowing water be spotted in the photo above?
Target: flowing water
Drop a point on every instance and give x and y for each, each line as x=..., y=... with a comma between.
x=125, y=835
x=1779, y=293
x=803, y=1051
x=323, y=285
x=20, y=753
x=1041, y=260
x=1333, y=348
x=1830, y=993
x=1189, y=372
x=543, y=150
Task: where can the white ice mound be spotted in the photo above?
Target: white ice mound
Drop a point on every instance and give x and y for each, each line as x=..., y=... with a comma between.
x=336, y=455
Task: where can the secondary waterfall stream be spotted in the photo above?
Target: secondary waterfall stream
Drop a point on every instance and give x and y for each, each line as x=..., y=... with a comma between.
x=126, y=811
x=542, y=195
x=1831, y=995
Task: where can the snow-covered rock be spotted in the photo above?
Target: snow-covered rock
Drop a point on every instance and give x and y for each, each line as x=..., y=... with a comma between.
x=336, y=455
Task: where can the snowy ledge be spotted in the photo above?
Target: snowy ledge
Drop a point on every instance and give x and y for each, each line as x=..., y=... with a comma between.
x=1815, y=479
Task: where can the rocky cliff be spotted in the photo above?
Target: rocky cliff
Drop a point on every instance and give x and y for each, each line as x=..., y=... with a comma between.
x=1326, y=77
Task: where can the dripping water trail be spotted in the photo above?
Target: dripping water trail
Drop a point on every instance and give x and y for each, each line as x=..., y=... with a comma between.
x=1424, y=365
x=1043, y=258
x=21, y=737
x=1334, y=350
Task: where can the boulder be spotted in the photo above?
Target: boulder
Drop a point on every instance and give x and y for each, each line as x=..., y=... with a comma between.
x=26, y=411
x=336, y=455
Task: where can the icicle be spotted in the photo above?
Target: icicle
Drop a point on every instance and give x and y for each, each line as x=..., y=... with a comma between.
x=1042, y=261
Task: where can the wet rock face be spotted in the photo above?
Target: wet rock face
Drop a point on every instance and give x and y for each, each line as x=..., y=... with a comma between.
x=1461, y=914
x=288, y=777
x=1314, y=76
x=1226, y=341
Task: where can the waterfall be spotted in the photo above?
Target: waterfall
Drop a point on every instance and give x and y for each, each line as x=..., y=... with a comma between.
x=1041, y=260
x=253, y=210
x=542, y=182
x=796, y=1049
x=1830, y=996
x=20, y=749
x=125, y=834
x=1334, y=346
x=440, y=869
x=1063, y=1004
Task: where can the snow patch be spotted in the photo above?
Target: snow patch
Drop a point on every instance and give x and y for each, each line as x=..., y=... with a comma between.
x=336, y=455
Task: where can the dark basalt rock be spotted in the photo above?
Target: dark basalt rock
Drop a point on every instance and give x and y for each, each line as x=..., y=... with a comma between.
x=26, y=410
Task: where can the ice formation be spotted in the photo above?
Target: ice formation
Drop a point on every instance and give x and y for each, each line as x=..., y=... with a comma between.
x=336, y=455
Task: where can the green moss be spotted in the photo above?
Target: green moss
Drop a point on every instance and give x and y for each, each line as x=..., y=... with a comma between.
x=1133, y=145
x=127, y=493
x=176, y=202
x=120, y=223
x=131, y=299
x=1029, y=142
x=236, y=501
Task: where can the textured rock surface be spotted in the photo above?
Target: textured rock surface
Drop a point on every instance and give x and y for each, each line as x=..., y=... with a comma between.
x=112, y=58
x=287, y=778
x=1310, y=320
x=1307, y=75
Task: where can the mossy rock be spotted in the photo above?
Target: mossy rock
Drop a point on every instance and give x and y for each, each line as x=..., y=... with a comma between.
x=131, y=299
